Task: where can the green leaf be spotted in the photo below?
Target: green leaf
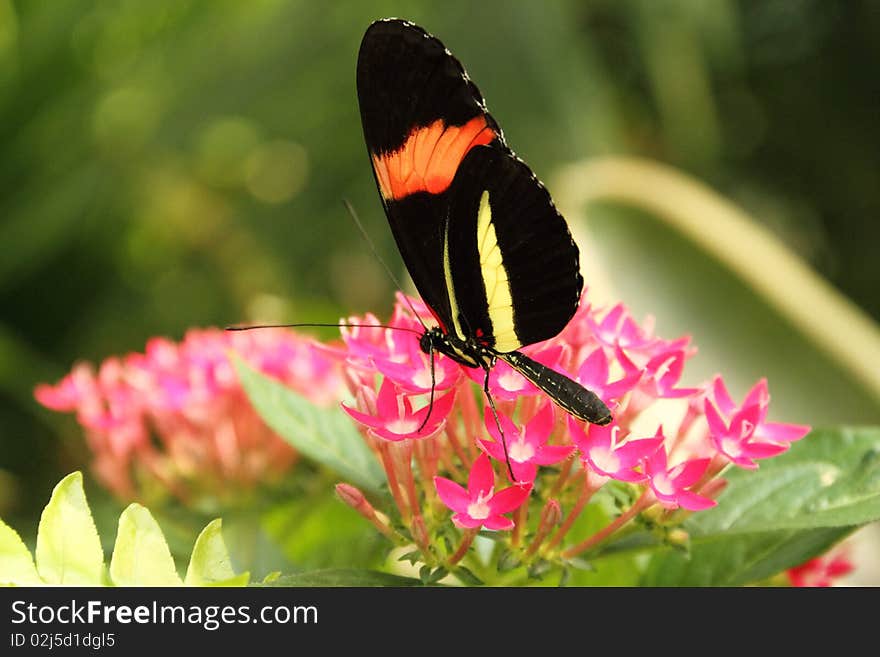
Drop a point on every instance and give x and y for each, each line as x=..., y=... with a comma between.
x=614, y=570
x=16, y=563
x=141, y=556
x=210, y=564
x=737, y=559
x=326, y=436
x=796, y=506
x=68, y=547
x=315, y=532
x=466, y=576
x=344, y=577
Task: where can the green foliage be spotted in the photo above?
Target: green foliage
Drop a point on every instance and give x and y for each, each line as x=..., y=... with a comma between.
x=342, y=577
x=327, y=436
x=69, y=549
x=792, y=509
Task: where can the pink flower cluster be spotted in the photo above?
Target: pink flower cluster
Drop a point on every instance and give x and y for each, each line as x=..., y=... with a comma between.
x=670, y=454
x=176, y=414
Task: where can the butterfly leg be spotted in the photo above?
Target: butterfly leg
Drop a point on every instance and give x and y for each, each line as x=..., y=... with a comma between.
x=497, y=422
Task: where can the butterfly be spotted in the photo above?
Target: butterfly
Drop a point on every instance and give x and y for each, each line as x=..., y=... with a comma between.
x=486, y=248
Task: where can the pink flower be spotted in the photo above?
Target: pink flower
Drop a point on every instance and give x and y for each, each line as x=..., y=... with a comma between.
x=736, y=441
x=663, y=371
x=480, y=505
x=506, y=384
x=178, y=415
x=594, y=373
x=394, y=418
x=609, y=457
x=823, y=570
x=411, y=369
x=527, y=447
x=618, y=329
x=746, y=436
x=670, y=485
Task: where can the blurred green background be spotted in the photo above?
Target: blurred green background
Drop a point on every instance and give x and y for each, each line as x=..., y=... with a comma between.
x=166, y=164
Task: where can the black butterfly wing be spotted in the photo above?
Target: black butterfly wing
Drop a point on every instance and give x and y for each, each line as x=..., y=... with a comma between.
x=421, y=115
x=510, y=257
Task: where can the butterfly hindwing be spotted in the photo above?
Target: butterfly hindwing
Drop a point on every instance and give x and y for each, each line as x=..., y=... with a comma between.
x=513, y=265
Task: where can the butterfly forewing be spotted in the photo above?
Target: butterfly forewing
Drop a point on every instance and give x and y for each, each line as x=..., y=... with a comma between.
x=421, y=115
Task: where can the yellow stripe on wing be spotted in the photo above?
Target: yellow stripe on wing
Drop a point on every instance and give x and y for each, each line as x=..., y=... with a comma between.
x=498, y=297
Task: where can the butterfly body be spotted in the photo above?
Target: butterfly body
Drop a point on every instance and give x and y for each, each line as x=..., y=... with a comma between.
x=487, y=250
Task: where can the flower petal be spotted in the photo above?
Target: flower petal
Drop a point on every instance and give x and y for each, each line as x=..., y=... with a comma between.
x=451, y=494
x=498, y=523
x=782, y=433
x=593, y=372
x=464, y=521
x=539, y=428
x=722, y=396
x=509, y=499
x=481, y=479
x=550, y=454
x=689, y=472
x=693, y=502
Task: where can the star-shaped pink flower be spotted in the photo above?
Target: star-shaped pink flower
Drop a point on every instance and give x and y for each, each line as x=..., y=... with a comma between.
x=618, y=328
x=594, y=373
x=765, y=432
x=670, y=485
x=741, y=433
x=527, y=447
x=410, y=368
x=480, y=505
x=604, y=452
x=663, y=372
x=506, y=384
x=395, y=418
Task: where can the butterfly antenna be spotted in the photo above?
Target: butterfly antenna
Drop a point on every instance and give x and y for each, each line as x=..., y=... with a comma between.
x=363, y=232
x=249, y=327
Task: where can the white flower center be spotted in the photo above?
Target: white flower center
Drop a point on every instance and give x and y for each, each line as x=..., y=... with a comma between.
x=510, y=381
x=521, y=451
x=731, y=446
x=422, y=378
x=662, y=484
x=605, y=459
x=402, y=426
x=664, y=368
x=479, y=508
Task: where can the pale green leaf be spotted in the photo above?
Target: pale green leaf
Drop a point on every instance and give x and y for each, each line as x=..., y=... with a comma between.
x=210, y=564
x=16, y=563
x=141, y=556
x=68, y=547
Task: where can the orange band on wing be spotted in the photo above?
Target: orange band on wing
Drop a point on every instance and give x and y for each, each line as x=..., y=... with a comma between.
x=429, y=158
